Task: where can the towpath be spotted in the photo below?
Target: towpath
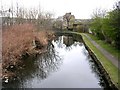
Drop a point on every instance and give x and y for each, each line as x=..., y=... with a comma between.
x=108, y=55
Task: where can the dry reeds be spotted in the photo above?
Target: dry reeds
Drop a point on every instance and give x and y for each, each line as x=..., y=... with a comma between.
x=17, y=39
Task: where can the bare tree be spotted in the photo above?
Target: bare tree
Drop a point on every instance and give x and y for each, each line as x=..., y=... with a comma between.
x=19, y=14
x=99, y=13
x=58, y=23
x=45, y=20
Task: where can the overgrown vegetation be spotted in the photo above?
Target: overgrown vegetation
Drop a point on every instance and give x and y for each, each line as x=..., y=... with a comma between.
x=20, y=41
x=106, y=26
x=26, y=32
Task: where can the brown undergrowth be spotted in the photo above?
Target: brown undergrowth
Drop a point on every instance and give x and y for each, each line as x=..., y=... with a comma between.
x=19, y=41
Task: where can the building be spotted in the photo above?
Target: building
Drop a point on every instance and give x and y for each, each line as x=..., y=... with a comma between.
x=68, y=21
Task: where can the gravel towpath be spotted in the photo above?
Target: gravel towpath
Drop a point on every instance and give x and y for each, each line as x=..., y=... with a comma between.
x=108, y=55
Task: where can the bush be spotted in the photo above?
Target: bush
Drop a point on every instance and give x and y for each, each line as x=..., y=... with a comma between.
x=17, y=40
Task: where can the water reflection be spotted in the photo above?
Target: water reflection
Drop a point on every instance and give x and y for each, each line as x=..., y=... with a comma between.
x=94, y=69
x=68, y=40
x=49, y=62
x=39, y=67
x=66, y=64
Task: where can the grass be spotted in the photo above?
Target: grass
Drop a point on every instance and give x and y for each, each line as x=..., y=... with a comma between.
x=109, y=67
x=115, y=52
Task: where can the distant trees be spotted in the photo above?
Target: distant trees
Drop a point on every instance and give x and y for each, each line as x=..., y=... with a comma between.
x=20, y=15
x=106, y=26
x=58, y=23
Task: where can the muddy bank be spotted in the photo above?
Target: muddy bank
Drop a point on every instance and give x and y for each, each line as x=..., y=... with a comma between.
x=20, y=42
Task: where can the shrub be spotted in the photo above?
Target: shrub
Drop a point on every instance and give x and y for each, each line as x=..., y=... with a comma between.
x=18, y=39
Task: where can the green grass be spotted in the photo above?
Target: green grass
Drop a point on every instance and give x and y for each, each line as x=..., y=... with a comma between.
x=108, y=47
x=109, y=67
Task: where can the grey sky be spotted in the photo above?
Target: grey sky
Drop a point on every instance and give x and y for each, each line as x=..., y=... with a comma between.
x=80, y=8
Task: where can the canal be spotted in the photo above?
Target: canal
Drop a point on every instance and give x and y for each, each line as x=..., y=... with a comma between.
x=66, y=64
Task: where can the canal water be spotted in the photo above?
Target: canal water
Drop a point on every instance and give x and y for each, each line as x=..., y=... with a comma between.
x=66, y=64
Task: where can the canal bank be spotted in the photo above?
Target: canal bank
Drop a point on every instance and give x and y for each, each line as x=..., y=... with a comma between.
x=109, y=70
x=102, y=66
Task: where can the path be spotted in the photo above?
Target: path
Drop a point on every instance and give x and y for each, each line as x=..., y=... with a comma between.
x=110, y=57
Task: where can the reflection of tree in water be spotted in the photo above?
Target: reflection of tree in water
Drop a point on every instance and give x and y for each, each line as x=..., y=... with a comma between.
x=94, y=68
x=70, y=41
x=85, y=52
x=97, y=73
x=67, y=40
x=73, y=40
x=40, y=68
x=48, y=62
x=59, y=41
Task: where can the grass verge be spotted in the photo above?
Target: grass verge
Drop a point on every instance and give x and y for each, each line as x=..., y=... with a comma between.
x=115, y=52
x=109, y=67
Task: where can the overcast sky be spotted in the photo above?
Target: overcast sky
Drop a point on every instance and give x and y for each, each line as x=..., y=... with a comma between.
x=79, y=8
